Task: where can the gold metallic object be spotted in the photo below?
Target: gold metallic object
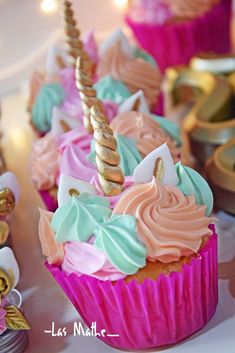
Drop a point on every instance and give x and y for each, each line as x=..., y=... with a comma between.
x=72, y=35
x=214, y=63
x=7, y=201
x=158, y=171
x=136, y=105
x=15, y=319
x=220, y=170
x=4, y=232
x=110, y=174
x=74, y=192
x=209, y=121
x=5, y=283
x=64, y=126
x=87, y=93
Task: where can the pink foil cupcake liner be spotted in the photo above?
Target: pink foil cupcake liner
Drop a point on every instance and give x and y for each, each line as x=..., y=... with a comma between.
x=152, y=314
x=176, y=43
x=49, y=201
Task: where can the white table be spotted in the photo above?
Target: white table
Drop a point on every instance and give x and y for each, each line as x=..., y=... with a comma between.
x=44, y=301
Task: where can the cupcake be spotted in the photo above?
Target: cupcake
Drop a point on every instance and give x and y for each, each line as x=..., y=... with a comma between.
x=141, y=255
x=129, y=67
x=174, y=31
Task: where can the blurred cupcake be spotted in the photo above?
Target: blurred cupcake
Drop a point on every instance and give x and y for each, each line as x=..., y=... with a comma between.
x=142, y=252
x=174, y=31
x=131, y=67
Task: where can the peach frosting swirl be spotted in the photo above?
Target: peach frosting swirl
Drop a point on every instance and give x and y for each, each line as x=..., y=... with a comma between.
x=189, y=9
x=136, y=73
x=44, y=161
x=147, y=133
x=170, y=224
x=50, y=248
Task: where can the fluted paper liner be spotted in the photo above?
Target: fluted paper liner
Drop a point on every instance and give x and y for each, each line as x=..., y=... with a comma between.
x=175, y=43
x=151, y=314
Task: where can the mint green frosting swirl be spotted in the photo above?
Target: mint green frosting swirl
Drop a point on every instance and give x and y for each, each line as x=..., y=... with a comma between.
x=192, y=183
x=138, y=53
x=110, y=89
x=117, y=237
x=50, y=95
x=76, y=220
x=129, y=154
x=169, y=127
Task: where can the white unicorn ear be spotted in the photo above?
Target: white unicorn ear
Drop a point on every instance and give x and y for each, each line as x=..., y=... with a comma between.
x=144, y=172
x=52, y=65
x=69, y=186
x=62, y=122
x=135, y=102
x=117, y=36
x=9, y=180
x=9, y=265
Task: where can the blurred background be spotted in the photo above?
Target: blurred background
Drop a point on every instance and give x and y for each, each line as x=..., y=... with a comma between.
x=28, y=28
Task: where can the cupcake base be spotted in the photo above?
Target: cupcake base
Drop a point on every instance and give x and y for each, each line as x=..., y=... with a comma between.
x=151, y=314
x=176, y=43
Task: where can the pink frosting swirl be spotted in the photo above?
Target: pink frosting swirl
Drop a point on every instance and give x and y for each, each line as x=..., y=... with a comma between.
x=112, y=199
x=170, y=224
x=72, y=102
x=85, y=259
x=74, y=147
x=136, y=73
x=146, y=132
x=44, y=161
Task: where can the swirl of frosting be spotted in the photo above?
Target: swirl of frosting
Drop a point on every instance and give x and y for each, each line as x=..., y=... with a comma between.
x=110, y=89
x=85, y=259
x=189, y=9
x=44, y=163
x=78, y=137
x=36, y=81
x=117, y=237
x=72, y=103
x=192, y=183
x=112, y=199
x=50, y=95
x=135, y=73
x=50, y=248
x=146, y=133
x=170, y=224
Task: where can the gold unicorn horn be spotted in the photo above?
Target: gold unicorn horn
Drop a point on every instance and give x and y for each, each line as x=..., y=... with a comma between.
x=87, y=93
x=72, y=34
x=110, y=174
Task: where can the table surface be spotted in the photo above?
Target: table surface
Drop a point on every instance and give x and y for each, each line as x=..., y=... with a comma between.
x=43, y=300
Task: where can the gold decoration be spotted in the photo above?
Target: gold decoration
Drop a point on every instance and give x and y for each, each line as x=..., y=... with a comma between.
x=87, y=93
x=158, y=171
x=4, y=232
x=15, y=319
x=75, y=45
x=53, y=192
x=74, y=192
x=65, y=126
x=110, y=174
x=136, y=105
x=5, y=283
x=7, y=201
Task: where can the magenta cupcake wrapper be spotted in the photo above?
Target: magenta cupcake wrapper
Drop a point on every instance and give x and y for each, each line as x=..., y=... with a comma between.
x=49, y=201
x=176, y=43
x=151, y=314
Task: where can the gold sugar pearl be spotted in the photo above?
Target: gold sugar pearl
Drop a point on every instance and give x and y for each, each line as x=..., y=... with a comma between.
x=5, y=283
x=74, y=192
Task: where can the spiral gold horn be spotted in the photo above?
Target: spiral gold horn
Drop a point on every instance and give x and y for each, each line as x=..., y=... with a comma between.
x=72, y=35
x=110, y=174
x=87, y=93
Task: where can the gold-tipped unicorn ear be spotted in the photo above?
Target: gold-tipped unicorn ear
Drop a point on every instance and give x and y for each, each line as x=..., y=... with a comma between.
x=72, y=35
x=110, y=174
x=87, y=93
